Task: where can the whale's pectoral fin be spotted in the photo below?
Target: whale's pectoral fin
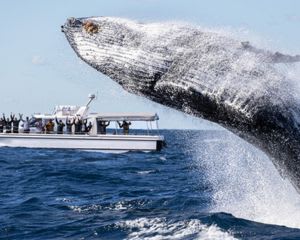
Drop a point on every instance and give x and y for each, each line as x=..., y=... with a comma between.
x=283, y=58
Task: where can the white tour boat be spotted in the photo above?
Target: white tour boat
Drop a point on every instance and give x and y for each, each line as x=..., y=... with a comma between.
x=94, y=140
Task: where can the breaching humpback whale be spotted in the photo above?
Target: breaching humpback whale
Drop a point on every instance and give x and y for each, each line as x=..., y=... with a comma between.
x=202, y=73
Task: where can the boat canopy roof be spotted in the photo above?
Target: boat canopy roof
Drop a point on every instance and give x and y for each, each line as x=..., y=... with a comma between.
x=71, y=112
x=124, y=116
x=51, y=116
x=66, y=110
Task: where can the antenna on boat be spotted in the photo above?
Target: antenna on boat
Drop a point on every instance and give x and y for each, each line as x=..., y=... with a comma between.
x=91, y=98
x=82, y=111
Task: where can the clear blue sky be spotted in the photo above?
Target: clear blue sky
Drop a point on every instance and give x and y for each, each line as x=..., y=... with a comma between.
x=38, y=69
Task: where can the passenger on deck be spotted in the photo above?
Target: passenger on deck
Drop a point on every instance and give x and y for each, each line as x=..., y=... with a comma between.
x=78, y=126
x=102, y=126
x=7, y=124
x=39, y=125
x=89, y=127
x=125, y=125
x=85, y=126
x=2, y=124
x=50, y=127
x=60, y=126
x=15, y=123
x=69, y=125
x=26, y=124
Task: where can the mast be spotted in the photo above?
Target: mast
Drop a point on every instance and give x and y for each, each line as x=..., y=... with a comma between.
x=91, y=98
x=84, y=109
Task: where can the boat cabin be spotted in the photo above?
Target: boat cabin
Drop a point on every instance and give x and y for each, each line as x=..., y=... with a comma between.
x=114, y=121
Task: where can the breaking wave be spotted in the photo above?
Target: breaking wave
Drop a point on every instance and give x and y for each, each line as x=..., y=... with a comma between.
x=159, y=228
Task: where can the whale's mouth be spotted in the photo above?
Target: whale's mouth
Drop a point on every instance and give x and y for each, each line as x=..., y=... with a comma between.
x=71, y=23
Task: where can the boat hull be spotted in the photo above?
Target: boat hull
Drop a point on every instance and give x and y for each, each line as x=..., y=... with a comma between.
x=83, y=142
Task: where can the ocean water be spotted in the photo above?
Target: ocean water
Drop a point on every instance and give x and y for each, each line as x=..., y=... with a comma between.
x=204, y=185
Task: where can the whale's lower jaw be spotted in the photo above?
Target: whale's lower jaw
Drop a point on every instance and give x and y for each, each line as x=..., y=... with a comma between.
x=201, y=74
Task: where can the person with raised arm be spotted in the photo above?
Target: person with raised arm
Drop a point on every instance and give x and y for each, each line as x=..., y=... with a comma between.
x=2, y=124
x=49, y=127
x=69, y=125
x=15, y=123
x=26, y=124
x=125, y=125
x=59, y=126
x=7, y=124
x=102, y=126
x=78, y=126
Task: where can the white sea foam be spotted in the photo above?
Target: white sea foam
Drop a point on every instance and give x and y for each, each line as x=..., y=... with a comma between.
x=146, y=172
x=159, y=228
x=117, y=206
x=246, y=183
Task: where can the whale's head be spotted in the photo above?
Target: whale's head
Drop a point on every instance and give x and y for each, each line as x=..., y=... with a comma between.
x=164, y=61
x=119, y=49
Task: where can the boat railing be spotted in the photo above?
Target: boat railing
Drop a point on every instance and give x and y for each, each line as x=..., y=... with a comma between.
x=110, y=131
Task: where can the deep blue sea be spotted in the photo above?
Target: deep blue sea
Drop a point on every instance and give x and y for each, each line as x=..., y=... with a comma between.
x=203, y=185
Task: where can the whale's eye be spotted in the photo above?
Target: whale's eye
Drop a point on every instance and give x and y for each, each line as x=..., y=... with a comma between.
x=73, y=22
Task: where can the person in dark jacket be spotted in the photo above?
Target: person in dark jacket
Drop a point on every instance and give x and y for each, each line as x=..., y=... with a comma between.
x=7, y=124
x=59, y=126
x=78, y=126
x=125, y=125
x=102, y=126
x=86, y=127
x=2, y=124
x=15, y=123
x=89, y=127
x=69, y=125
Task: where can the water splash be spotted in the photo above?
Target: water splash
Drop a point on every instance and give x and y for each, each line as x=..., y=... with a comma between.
x=245, y=182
